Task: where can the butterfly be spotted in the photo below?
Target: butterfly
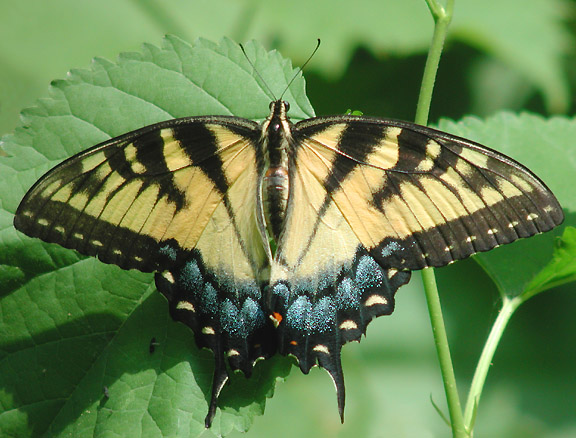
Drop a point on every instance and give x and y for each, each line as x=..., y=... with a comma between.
x=281, y=237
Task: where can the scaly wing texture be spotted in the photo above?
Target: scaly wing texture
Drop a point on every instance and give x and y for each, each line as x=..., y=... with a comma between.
x=325, y=286
x=416, y=197
x=371, y=199
x=179, y=198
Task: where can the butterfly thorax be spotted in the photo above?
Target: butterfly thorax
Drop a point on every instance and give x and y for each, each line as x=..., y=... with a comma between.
x=275, y=138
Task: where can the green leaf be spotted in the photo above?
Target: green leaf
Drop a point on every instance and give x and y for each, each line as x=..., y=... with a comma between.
x=76, y=333
x=546, y=147
x=562, y=268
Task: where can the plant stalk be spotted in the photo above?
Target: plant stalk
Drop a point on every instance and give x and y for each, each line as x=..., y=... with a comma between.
x=442, y=17
x=443, y=351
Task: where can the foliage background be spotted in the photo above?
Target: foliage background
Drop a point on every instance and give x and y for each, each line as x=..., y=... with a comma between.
x=503, y=55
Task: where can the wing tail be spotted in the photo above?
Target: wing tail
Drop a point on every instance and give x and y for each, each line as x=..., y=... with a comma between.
x=224, y=313
x=320, y=314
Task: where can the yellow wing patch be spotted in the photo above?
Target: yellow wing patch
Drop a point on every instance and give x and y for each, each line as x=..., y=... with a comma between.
x=123, y=199
x=415, y=198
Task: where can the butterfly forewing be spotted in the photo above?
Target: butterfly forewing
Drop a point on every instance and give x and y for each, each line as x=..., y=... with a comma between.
x=122, y=199
x=416, y=197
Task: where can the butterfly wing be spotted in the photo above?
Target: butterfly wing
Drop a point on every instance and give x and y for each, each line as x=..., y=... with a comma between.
x=371, y=199
x=325, y=286
x=180, y=198
x=416, y=197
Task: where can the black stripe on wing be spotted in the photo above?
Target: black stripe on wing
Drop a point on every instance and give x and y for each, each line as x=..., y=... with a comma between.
x=416, y=197
x=117, y=199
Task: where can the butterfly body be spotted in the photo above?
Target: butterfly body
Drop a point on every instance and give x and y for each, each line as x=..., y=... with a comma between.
x=275, y=140
x=352, y=204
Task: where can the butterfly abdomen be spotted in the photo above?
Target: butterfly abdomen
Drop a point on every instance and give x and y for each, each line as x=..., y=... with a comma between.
x=276, y=136
x=275, y=198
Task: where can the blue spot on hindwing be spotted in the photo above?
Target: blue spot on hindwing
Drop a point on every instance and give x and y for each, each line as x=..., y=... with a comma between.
x=298, y=313
x=209, y=299
x=169, y=252
x=368, y=273
x=347, y=295
x=230, y=319
x=323, y=316
x=252, y=313
x=191, y=277
x=282, y=291
x=241, y=323
x=304, y=316
x=390, y=249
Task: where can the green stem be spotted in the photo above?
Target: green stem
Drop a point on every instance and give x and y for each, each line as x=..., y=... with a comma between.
x=443, y=352
x=509, y=306
x=442, y=17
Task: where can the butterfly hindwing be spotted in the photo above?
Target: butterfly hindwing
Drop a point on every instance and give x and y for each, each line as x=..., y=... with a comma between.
x=416, y=197
x=318, y=314
x=325, y=286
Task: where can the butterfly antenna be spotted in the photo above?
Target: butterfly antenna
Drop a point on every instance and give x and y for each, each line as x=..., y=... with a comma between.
x=258, y=73
x=301, y=68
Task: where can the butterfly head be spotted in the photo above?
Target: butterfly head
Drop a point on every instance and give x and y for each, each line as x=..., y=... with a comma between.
x=279, y=108
x=277, y=124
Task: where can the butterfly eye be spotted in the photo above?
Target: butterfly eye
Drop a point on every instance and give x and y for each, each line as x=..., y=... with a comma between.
x=286, y=105
x=271, y=106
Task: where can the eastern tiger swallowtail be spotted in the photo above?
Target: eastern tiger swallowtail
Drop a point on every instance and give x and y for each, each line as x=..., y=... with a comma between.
x=352, y=204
